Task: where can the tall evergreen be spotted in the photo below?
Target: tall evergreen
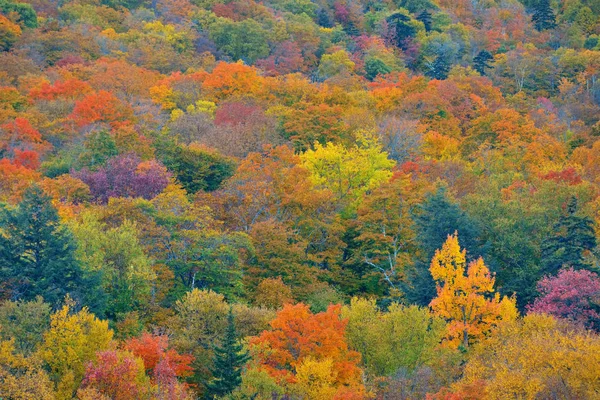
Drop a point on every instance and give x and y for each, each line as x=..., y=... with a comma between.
x=481, y=61
x=228, y=361
x=37, y=255
x=426, y=18
x=437, y=218
x=574, y=236
x=543, y=17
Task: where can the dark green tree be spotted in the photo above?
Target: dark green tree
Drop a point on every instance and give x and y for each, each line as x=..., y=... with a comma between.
x=374, y=66
x=543, y=16
x=99, y=146
x=435, y=219
x=574, y=237
x=37, y=255
x=439, y=68
x=482, y=61
x=401, y=31
x=426, y=18
x=228, y=362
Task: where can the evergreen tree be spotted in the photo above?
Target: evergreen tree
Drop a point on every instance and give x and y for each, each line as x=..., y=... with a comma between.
x=481, y=61
x=37, y=255
x=437, y=218
x=574, y=237
x=426, y=18
x=375, y=66
x=543, y=17
x=439, y=68
x=401, y=29
x=228, y=361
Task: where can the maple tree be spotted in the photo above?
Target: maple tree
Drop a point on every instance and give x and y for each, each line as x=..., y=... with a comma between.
x=298, y=337
x=465, y=295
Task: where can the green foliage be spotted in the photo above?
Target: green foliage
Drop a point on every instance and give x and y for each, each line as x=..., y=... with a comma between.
x=573, y=238
x=228, y=361
x=197, y=168
x=27, y=15
x=24, y=322
x=543, y=17
x=37, y=255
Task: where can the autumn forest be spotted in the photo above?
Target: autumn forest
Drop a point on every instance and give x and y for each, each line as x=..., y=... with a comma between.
x=299, y=199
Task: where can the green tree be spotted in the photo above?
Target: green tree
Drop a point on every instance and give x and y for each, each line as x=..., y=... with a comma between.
x=574, y=237
x=435, y=219
x=426, y=18
x=229, y=358
x=37, y=255
x=543, y=16
x=481, y=61
x=27, y=15
x=375, y=66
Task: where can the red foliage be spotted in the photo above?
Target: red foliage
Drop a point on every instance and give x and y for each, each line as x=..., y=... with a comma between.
x=570, y=295
x=569, y=176
x=70, y=89
x=115, y=375
x=235, y=113
x=153, y=350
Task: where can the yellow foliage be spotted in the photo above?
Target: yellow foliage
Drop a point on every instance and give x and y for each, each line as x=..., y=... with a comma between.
x=71, y=342
x=537, y=357
x=465, y=295
x=315, y=379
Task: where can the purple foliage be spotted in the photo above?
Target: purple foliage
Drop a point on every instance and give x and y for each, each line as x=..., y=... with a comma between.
x=572, y=295
x=125, y=176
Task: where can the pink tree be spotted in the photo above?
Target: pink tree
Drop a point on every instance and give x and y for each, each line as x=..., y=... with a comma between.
x=572, y=294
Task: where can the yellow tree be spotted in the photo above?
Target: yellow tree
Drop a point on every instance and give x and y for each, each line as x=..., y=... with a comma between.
x=465, y=295
x=349, y=172
x=71, y=342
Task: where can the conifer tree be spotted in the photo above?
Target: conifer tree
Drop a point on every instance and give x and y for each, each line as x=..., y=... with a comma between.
x=543, y=17
x=426, y=18
x=228, y=361
x=37, y=255
x=573, y=238
x=481, y=61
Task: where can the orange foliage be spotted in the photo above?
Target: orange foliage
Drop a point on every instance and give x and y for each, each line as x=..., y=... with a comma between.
x=297, y=334
x=102, y=106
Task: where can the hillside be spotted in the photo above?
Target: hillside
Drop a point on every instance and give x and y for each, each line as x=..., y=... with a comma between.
x=299, y=199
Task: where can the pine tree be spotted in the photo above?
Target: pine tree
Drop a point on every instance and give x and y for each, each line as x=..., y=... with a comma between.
x=426, y=18
x=481, y=61
x=574, y=237
x=228, y=361
x=37, y=255
x=437, y=218
x=439, y=68
x=543, y=17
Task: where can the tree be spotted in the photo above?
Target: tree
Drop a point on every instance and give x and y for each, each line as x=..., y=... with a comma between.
x=543, y=16
x=401, y=338
x=71, y=342
x=574, y=238
x=229, y=358
x=25, y=323
x=349, y=172
x=375, y=66
x=436, y=218
x=536, y=357
x=197, y=167
x=154, y=350
x=26, y=14
x=116, y=374
x=37, y=255
x=426, y=18
x=465, y=295
x=481, y=61
x=572, y=295
x=298, y=336
x=125, y=176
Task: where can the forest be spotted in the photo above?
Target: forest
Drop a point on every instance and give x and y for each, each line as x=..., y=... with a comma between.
x=299, y=199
